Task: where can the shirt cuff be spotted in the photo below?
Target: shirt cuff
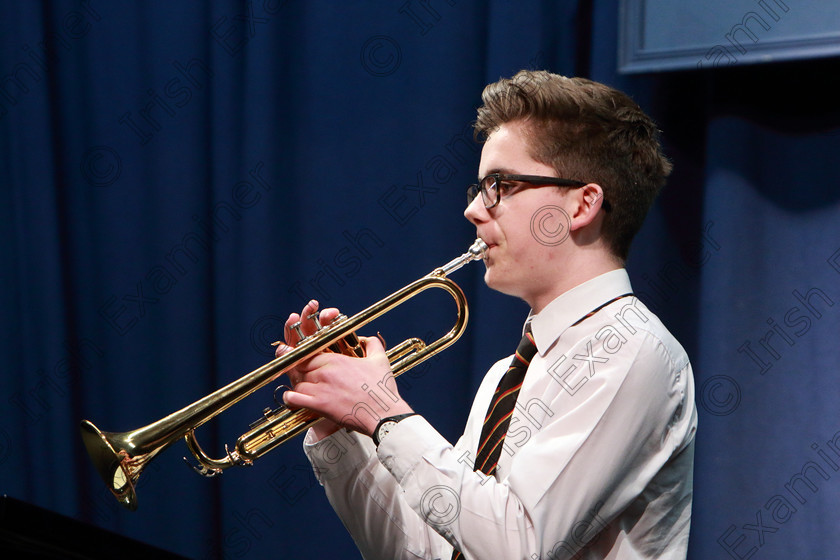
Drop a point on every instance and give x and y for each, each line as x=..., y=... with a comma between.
x=405, y=446
x=337, y=454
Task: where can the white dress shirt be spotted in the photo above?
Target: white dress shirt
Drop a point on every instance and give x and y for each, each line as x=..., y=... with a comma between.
x=597, y=462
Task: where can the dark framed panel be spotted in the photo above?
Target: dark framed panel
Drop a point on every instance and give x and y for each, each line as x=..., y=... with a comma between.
x=657, y=35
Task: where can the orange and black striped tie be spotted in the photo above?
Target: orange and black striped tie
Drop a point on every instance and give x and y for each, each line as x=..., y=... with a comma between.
x=501, y=406
x=501, y=409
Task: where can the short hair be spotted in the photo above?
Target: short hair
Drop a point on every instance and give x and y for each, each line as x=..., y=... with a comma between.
x=589, y=132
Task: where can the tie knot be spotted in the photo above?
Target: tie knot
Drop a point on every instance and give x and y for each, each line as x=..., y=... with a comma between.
x=527, y=348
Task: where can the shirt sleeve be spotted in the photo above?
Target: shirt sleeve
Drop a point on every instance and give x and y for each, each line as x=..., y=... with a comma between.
x=369, y=501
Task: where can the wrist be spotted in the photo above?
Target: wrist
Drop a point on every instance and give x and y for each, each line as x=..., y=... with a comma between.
x=324, y=428
x=387, y=424
x=367, y=423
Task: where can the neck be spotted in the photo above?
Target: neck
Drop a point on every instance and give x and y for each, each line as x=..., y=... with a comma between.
x=578, y=268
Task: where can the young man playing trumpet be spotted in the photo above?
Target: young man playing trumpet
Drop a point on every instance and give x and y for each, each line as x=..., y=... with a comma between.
x=606, y=469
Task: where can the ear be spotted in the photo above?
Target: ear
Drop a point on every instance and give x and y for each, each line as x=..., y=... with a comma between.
x=587, y=205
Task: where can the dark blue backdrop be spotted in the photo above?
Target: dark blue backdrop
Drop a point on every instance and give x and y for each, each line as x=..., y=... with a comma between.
x=177, y=178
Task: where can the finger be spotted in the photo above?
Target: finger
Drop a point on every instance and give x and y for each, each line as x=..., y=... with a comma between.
x=307, y=324
x=290, y=399
x=373, y=345
x=296, y=375
x=281, y=349
x=328, y=315
x=297, y=399
x=288, y=333
x=313, y=368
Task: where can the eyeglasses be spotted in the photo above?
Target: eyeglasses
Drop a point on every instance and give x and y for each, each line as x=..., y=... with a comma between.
x=492, y=186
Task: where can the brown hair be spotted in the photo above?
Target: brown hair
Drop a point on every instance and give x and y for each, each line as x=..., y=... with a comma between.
x=589, y=132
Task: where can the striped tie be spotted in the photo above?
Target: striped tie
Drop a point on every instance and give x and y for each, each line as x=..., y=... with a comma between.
x=501, y=406
x=501, y=409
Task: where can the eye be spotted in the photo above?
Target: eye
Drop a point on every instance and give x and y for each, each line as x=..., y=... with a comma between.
x=505, y=186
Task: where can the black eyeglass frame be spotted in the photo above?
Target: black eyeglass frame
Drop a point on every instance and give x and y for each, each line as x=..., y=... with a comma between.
x=531, y=181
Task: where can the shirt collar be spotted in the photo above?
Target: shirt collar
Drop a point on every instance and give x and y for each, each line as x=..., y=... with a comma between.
x=568, y=307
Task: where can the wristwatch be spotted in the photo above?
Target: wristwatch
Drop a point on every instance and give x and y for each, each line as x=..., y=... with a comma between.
x=386, y=425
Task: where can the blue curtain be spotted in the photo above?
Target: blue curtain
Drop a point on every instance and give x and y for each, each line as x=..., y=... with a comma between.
x=176, y=178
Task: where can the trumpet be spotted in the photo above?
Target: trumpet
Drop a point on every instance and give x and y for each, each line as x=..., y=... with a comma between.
x=119, y=457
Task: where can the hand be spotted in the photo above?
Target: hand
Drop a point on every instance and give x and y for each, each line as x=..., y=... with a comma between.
x=307, y=326
x=325, y=427
x=352, y=392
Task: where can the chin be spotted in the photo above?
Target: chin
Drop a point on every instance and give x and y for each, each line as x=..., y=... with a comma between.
x=489, y=279
x=494, y=282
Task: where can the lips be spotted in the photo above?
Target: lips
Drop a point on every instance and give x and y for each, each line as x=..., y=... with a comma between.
x=490, y=247
x=487, y=241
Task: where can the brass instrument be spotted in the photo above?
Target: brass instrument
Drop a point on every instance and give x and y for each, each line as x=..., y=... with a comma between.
x=120, y=457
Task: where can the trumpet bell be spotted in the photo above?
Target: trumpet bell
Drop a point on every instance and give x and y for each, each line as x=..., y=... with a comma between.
x=109, y=462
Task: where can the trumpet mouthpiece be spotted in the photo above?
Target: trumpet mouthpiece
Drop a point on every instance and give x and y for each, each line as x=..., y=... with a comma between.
x=478, y=248
x=474, y=253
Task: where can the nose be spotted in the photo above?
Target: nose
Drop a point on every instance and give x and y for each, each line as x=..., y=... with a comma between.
x=475, y=212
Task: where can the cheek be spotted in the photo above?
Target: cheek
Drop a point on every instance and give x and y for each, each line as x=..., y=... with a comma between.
x=519, y=240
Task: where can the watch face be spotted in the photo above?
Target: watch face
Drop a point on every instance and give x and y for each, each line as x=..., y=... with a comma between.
x=386, y=425
x=384, y=429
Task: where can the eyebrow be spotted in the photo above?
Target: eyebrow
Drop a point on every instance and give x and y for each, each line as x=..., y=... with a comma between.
x=501, y=171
